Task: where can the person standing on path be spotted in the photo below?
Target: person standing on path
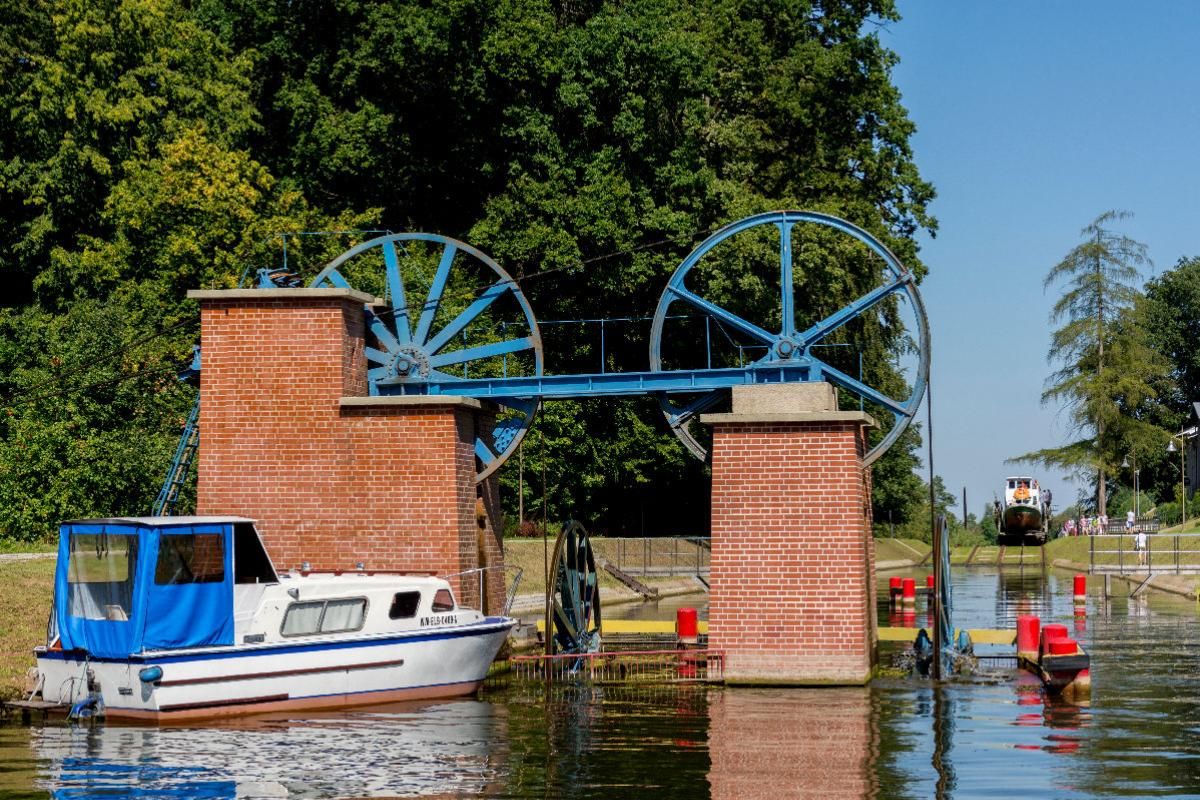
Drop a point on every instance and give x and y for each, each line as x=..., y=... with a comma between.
x=1129, y=520
x=1139, y=544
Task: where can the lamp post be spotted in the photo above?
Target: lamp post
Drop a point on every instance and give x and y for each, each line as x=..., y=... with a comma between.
x=1137, y=494
x=1182, y=436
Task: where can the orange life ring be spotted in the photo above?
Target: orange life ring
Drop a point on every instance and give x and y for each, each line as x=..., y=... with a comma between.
x=1021, y=493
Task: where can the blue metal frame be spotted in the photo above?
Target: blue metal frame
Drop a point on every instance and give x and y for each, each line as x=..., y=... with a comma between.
x=411, y=359
x=787, y=347
x=415, y=360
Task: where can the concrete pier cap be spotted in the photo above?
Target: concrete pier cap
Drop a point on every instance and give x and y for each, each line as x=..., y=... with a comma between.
x=787, y=402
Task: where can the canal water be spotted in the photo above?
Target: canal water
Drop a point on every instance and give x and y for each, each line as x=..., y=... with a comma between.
x=994, y=735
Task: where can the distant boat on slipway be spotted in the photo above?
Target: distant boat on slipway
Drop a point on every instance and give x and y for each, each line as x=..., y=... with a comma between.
x=1025, y=514
x=167, y=618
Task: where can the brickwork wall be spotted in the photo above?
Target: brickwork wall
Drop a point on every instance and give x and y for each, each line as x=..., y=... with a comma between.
x=792, y=597
x=392, y=487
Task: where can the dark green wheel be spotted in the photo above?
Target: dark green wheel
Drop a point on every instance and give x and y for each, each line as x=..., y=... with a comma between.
x=575, y=594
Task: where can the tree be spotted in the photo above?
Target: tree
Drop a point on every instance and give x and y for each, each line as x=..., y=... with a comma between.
x=1173, y=322
x=150, y=146
x=125, y=184
x=1107, y=364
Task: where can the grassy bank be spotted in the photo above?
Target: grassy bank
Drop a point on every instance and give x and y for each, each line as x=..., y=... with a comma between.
x=900, y=550
x=26, y=590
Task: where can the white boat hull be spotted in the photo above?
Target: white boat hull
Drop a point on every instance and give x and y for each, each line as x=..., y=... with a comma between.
x=313, y=673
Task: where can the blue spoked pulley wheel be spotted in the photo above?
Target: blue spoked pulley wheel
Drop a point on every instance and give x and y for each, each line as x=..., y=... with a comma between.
x=448, y=312
x=575, y=594
x=777, y=315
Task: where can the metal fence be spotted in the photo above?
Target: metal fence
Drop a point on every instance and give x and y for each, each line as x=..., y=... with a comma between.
x=626, y=666
x=658, y=555
x=1177, y=553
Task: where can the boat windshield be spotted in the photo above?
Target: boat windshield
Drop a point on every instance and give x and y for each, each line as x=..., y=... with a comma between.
x=100, y=575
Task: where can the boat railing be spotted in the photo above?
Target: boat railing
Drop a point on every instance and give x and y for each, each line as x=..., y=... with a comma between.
x=510, y=592
x=624, y=666
x=1177, y=553
x=656, y=555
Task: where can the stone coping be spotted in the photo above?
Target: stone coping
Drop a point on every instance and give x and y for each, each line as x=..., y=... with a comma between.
x=413, y=401
x=860, y=417
x=299, y=295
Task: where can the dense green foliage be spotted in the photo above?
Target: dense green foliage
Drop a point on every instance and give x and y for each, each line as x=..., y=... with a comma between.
x=152, y=146
x=1172, y=321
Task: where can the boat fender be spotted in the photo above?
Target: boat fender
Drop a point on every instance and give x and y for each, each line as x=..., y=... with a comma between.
x=89, y=706
x=151, y=674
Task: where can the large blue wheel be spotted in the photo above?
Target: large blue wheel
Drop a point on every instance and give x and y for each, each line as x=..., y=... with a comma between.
x=449, y=312
x=717, y=313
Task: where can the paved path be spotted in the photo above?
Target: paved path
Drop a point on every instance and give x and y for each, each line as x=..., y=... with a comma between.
x=6, y=557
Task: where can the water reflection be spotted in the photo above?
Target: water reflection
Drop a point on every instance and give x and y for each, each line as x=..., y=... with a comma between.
x=427, y=749
x=995, y=735
x=818, y=743
x=1021, y=591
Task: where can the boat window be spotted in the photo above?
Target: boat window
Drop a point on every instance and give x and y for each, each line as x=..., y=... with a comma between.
x=303, y=618
x=404, y=605
x=100, y=570
x=250, y=561
x=321, y=616
x=343, y=615
x=443, y=601
x=190, y=558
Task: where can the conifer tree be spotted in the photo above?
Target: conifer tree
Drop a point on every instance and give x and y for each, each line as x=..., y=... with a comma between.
x=1106, y=364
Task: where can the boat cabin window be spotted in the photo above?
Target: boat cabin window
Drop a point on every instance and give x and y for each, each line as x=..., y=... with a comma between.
x=100, y=570
x=190, y=558
x=250, y=561
x=443, y=601
x=404, y=605
x=324, y=616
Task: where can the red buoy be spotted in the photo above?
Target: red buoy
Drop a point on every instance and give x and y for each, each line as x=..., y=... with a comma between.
x=929, y=582
x=1062, y=647
x=1028, y=630
x=1080, y=589
x=894, y=590
x=910, y=591
x=687, y=626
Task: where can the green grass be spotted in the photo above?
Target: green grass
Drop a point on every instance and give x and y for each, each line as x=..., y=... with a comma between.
x=1119, y=550
x=900, y=550
x=26, y=591
x=11, y=546
x=1191, y=526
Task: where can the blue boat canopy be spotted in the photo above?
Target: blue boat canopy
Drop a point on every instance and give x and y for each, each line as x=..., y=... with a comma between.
x=128, y=585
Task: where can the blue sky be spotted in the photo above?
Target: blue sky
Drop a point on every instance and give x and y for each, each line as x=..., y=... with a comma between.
x=1032, y=119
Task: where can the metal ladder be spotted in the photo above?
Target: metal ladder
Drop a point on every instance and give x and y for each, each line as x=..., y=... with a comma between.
x=189, y=442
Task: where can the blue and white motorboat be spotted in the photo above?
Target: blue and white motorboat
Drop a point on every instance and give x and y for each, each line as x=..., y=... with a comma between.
x=165, y=618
